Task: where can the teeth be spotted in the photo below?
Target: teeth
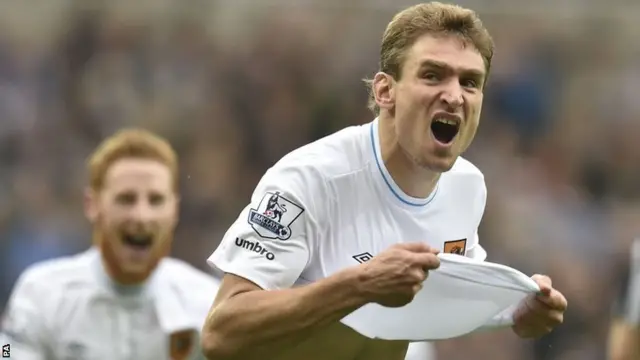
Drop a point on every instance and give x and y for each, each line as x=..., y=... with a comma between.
x=447, y=121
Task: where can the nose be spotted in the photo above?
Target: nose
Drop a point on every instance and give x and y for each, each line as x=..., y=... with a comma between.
x=452, y=95
x=141, y=212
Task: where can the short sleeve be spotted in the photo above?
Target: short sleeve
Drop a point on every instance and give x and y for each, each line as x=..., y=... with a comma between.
x=272, y=240
x=23, y=324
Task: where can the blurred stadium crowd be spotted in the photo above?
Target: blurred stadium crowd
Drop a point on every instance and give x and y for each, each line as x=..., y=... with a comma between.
x=237, y=84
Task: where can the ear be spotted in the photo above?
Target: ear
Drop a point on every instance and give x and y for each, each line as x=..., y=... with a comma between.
x=384, y=90
x=90, y=204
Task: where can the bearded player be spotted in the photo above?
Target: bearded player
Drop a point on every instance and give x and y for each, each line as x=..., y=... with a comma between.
x=123, y=298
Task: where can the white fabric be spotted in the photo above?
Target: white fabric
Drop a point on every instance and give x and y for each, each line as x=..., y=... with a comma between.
x=456, y=299
x=421, y=351
x=342, y=208
x=68, y=308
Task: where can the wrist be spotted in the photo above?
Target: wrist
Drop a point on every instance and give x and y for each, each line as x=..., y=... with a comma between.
x=354, y=280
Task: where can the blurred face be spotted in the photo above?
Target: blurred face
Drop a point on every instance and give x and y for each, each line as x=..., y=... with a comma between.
x=134, y=217
x=437, y=101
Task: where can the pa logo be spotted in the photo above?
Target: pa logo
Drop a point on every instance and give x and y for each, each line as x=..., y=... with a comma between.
x=274, y=216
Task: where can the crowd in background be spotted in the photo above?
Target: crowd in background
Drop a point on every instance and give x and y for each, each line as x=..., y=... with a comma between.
x=236, y=85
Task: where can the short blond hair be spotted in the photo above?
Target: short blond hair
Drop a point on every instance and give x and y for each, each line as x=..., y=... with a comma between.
x=429, y=18
x=130, y=143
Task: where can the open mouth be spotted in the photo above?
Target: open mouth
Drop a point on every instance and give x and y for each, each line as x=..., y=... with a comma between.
x=445, y=129
x=138, y=241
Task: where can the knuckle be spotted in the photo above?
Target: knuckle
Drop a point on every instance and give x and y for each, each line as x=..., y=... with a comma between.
x=558, y=319
x=563, y=303
x=554, y=319
x=408, y=296
x=541, y=277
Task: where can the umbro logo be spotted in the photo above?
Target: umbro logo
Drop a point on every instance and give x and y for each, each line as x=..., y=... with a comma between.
x=362, y=258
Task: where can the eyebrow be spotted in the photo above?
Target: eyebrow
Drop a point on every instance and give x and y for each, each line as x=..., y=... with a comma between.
x=446, y=67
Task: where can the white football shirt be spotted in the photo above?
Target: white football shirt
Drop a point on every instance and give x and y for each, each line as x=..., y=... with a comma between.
x=69, y=308
x=332, y=204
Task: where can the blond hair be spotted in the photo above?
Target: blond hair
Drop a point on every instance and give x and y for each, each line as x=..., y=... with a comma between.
x=428, y=18
x=130, y=143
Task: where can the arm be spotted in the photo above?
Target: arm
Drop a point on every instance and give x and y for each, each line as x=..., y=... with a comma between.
x=262, y=255
x=270, y=321
x=23, y=324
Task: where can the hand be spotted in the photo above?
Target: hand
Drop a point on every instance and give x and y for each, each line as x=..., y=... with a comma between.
x=393, y=277
x=539, y=314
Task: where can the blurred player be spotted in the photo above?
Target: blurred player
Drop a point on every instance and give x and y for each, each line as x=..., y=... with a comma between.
x=361, y=214
x=624, y=334
x=122, y=298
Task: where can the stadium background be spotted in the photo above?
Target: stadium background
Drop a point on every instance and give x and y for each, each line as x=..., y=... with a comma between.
x=236, y=84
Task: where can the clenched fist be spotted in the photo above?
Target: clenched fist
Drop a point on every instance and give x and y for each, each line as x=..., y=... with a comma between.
x=539, y=314
x=393, y=277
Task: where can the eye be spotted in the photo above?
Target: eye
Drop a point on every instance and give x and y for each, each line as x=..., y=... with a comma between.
x=156, y=199
x=471, y=83
x=126, y=198
x=431, y=76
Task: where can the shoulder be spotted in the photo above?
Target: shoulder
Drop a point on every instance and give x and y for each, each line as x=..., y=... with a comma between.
x=186, y=275
x=54, y=274
x=195, y=286
x=40, y=291
x=304, y=174
x=333, y=155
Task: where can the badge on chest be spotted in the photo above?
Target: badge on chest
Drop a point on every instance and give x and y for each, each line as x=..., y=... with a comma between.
x=457, y=247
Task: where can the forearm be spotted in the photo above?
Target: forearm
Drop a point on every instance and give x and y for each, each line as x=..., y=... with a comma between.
x=255, y=322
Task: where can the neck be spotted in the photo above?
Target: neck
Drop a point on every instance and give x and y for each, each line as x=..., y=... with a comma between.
x=115, y=283
x=120, y=279
x=413, y=179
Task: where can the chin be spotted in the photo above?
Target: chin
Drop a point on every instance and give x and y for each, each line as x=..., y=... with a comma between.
x=439, y=165
x=135, y=276
x=125, y=270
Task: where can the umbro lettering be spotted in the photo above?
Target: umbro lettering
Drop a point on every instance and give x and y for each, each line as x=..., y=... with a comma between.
x=255, y=247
